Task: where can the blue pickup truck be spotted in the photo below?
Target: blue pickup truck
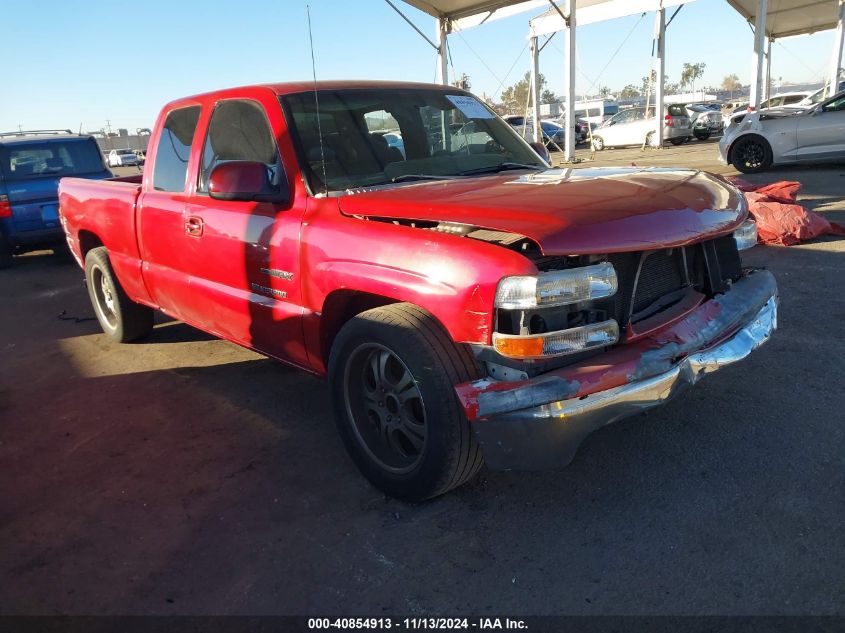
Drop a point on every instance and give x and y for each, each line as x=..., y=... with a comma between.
x=31, y=164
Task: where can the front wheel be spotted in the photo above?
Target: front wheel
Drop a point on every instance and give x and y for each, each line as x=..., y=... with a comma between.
x=678, y=141
x=598, y=143
x=122, y=319
x=702, y=135
x=751, y=154
x=392, y=372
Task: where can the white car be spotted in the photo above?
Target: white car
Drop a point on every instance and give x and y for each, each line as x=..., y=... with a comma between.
x=756, y=140
x=785, y=99
x=123, y=158
x=636, y=126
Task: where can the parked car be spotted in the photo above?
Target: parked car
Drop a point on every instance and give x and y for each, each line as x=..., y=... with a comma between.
x=123, y=158
x=31, y=163
x=394, y=139
x=706, y=121
x=553, y=135
x=817, y=97
x=465, y=305
x=785, y=99
x=636, y=126
x=754, y=141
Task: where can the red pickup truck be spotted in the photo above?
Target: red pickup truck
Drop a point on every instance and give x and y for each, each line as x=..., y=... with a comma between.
x=466, y=302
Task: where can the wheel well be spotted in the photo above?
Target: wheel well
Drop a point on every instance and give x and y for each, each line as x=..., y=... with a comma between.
x=338, y=308
x=87, y=241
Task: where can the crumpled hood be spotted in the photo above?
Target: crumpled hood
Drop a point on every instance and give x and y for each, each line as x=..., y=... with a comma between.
x=571, y=212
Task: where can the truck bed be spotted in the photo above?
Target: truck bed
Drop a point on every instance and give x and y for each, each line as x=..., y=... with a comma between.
x=102, y=212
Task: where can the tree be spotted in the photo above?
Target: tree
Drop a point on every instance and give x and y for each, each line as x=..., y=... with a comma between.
x=549, y=97
x=731, y=83
x=690, y=73
x=629, y=92
x=648, y=87
x=605, y=91
x=515, y=97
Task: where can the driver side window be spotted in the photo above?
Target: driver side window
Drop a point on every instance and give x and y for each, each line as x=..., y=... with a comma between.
x=836, y=106
x=239, y=131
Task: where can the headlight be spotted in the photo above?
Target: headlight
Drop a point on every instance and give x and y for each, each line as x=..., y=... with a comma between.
x=746, y=235
x=557, y=288
x=558, y=343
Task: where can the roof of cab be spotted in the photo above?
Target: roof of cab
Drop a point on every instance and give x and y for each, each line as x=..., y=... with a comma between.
x=294, y=87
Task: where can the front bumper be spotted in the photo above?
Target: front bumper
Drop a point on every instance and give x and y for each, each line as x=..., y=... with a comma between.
x=540, y=423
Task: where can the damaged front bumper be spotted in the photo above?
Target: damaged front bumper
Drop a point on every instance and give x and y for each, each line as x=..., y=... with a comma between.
x=539, y=423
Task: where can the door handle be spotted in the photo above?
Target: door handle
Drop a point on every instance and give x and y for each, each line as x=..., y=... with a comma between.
x=193, y=226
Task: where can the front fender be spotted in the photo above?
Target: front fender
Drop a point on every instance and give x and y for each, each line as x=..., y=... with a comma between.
x=454, y=278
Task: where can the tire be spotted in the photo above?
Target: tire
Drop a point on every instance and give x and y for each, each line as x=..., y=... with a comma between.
x=6, y=252
x=122, y=319
x=598, y=143
x=392, y=372
x=702, y=136
x=649, y=138
x=677, y=141
x=751, y=154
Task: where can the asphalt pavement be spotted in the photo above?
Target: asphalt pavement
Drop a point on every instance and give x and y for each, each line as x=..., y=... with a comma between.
x=185, y=475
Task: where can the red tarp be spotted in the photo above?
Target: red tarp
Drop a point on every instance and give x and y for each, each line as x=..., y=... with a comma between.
x=780, y=220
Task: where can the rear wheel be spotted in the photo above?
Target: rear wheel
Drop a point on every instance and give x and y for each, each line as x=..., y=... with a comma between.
x=702, y=135
x=751, y=154
x=6, y=252
x=678, y=141
x=392, y=372
x=122, y=319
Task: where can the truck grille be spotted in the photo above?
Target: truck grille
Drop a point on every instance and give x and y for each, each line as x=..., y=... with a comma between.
x=661, y=273
x=650, y=281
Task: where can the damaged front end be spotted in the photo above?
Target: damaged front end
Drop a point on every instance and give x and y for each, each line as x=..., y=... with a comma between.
x=678, y=314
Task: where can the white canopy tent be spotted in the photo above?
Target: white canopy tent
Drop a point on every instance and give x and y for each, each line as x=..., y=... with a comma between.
x=587, y=12
x=771, y=19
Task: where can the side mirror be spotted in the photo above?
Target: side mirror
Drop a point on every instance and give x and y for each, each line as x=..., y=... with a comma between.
x=542, y=151
x=247, y=181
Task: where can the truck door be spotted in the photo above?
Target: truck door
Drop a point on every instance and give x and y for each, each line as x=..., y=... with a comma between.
x=242, y=258
x=160, y=214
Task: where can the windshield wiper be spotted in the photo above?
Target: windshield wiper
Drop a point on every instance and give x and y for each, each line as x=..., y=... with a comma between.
x=500, y=167
x=407, y=177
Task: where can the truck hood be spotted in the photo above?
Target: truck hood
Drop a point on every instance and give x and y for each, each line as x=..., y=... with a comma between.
x=570, y=212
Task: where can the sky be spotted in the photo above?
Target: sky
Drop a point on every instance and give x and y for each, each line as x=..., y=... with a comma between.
x=93, y=63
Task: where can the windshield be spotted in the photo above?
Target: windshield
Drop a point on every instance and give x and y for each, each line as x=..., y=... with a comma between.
x=125, y=152
x=50, y=158
x=443, y=135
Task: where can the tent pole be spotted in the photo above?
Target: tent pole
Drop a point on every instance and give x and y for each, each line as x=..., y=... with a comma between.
x=569, y=78
x=755, y=97
x=442, y=51
x=768, y=88
x=660, y=27
x=836, y=57
x=535, y=87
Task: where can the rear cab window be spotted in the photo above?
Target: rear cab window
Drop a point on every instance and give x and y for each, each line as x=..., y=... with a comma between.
x=55, y=158
x=174, y=149
x=676, y=110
